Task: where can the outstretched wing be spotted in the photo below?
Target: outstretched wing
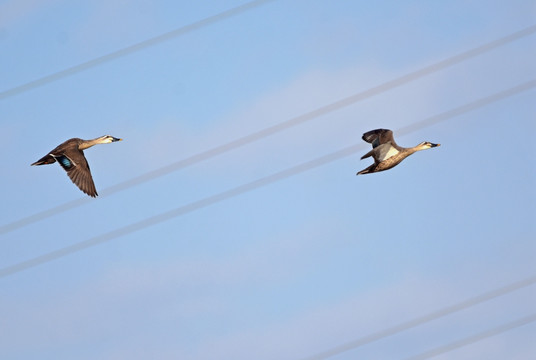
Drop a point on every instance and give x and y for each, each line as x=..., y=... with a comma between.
x=378, y=137
x=383, y=144
x=77, y=168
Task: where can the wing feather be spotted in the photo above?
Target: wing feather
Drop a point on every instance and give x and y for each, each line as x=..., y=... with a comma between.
x=378, y=137
x=77, y=168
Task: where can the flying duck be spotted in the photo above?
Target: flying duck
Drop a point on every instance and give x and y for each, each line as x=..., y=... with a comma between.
x=70, y=155
x=386, y=152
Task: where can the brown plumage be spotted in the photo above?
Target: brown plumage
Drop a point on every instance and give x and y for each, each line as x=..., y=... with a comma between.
x=71, y=157
x=386, y=153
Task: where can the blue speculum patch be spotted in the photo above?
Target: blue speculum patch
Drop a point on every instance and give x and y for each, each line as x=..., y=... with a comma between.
x=64, y=161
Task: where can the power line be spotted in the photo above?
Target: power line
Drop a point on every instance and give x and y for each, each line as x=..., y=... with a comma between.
x=278, y=176
x=475, y=338
x=261, y=134
x=205, y=22
x=132, y=48
x=382, y=334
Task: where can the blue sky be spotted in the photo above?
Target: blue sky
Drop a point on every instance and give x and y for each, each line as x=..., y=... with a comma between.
x=301, y=265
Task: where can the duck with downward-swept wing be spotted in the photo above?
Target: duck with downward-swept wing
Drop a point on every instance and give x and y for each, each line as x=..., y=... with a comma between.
x=70, y=155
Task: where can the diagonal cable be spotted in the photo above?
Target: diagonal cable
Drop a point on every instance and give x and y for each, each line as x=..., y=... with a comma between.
x=475, y=338
x=256, y=184
x=396, y=329
x=131, y=49
x=256, y=136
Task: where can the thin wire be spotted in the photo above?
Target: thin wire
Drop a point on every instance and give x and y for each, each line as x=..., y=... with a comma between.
x=382, y=334
x=132, y=48
x=261, y=134
x=475, y=338
x=211, y=200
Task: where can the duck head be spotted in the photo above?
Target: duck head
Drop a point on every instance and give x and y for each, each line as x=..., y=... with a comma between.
x=106, y=139
x=427, y=145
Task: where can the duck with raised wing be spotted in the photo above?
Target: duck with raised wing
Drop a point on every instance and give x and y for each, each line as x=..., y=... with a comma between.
x=70, y=155
x=386, y=153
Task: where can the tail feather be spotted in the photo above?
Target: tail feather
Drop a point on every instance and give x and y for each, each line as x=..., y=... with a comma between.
x=45, y=160
x=368, y=170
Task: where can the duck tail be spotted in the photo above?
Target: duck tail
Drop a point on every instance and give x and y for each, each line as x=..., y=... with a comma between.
x=45, y=160
x=368, y=170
